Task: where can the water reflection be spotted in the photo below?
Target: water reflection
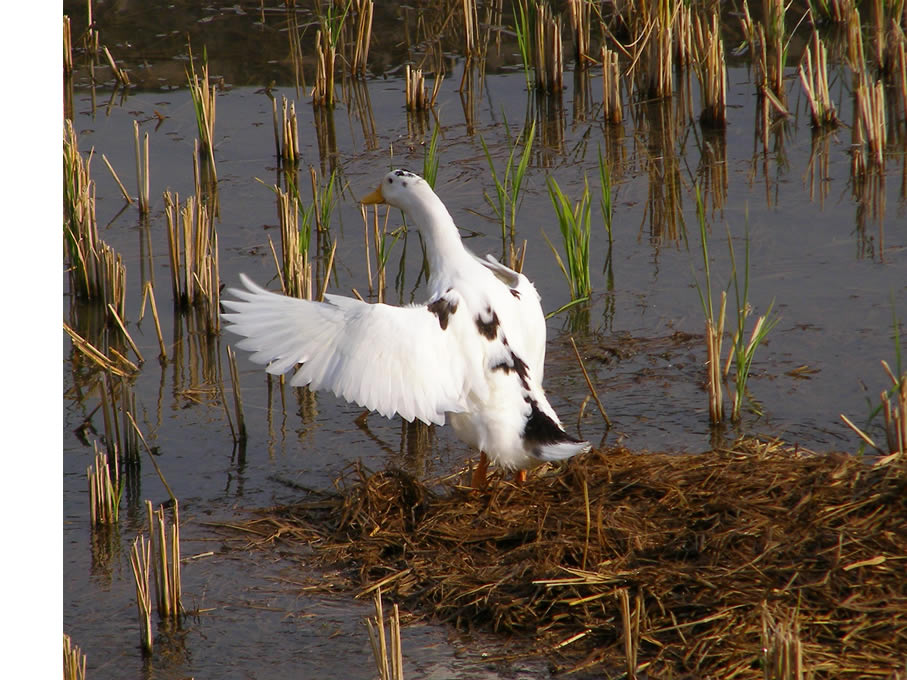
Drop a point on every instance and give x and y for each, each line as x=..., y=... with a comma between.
x=712, y=171
x=551, y=126
x=816, y=177
x=359, y=106
x=662, y=164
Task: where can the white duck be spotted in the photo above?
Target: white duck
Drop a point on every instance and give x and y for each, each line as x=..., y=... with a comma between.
x=473, y=353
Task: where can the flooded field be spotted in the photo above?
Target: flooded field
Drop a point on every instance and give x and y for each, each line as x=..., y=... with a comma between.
x=825, y=229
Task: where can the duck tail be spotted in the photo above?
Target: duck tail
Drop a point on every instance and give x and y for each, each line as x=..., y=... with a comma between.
x=562, y=450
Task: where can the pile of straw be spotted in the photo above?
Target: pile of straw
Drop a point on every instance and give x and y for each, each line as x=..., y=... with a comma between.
x=709, y=546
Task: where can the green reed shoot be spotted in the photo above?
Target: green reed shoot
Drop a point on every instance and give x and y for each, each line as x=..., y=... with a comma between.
x=521, y=27
x=383, y=248
x=430, y=161
x=575, y=223
x=604, y=177
x=742, y=349
x=204, y=102
x=323, y=199
x=714, y=330
x=507, y=185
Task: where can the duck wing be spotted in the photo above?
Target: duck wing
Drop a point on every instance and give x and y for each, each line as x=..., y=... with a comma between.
x=413, y=361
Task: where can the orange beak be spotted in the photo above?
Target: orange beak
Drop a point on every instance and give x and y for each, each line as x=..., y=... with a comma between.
x=374, y=198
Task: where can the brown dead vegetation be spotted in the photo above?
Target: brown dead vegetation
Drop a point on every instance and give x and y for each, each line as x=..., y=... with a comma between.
x=713, y=549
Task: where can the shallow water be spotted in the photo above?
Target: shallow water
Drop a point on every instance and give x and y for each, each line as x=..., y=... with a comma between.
x=832, y=262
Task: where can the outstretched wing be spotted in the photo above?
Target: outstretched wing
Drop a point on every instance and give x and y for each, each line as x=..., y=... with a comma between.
x=411, y=361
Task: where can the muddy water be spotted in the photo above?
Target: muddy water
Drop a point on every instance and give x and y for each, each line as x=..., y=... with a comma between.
x=830, y=257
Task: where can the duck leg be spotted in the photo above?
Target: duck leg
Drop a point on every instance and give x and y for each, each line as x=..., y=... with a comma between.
x=519, y=477
x=480, y=473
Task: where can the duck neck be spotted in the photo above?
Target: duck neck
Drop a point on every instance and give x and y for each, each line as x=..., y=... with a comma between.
x=443, y=244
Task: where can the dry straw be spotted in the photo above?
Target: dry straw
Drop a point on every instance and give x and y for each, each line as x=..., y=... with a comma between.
x=900, y=76
x=782, y=646
x=115, y=364
x=684, y=53
x=895, y=416
x=470, y=28
x=286, y=131
x=870, y=110
x=416, y=99
x=295, y=270
x=814, y=77
x=711, y=71
x=104, y=488
x=660, y=51
x=92, y=38
x=117, y=403
x=165, y=562
x=74, y=661
x=121, y=75
x=194, y=259
x=855, y=55
x=714, y=331
x=767, y=54
x=365, y=10
x=323, y=91
x=612, y=105
x=548, y=50
x=67, y=46
x=140, y=559
x=239, y=434
x=116, y=178
x=580, y=12
x=148, y=294
x=703, y=540
x=592, y=390
x=96, y=272
x=142, y=170
x=388, y=654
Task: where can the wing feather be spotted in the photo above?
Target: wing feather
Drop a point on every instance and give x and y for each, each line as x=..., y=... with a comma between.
x=387, y=359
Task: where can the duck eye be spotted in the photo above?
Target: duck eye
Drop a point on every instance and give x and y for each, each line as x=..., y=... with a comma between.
x=390, y=180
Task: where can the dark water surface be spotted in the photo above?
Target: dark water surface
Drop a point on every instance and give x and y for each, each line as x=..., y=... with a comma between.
x=830, y=256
